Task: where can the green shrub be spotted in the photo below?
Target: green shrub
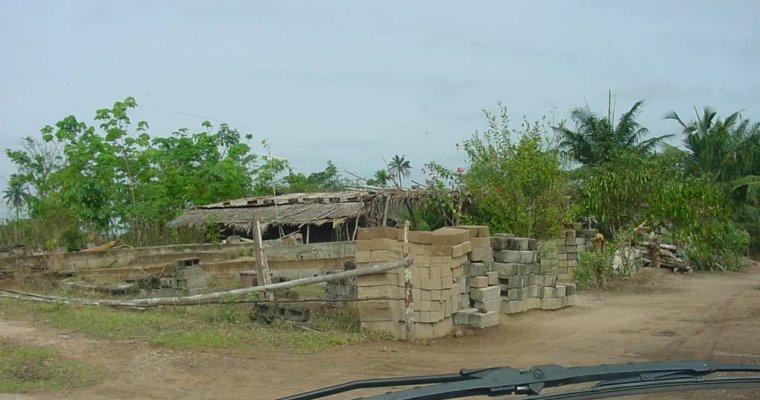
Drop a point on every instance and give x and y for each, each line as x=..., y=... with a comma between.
x=719, y=245
x=593, y=269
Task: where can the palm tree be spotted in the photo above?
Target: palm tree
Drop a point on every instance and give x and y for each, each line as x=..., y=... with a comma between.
x=728, y=151
x=596, y=140
x=724, y=148
x=399, y=168
x=16, y=194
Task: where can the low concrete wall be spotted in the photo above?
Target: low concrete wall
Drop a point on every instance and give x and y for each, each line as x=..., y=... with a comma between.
x=290, y=261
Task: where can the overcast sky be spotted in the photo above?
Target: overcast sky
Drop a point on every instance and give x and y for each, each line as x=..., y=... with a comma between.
x=357, y=81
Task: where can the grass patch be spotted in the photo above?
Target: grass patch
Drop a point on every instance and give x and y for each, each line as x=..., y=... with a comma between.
x=309, y=291
x=25, y=368
x=224, y=326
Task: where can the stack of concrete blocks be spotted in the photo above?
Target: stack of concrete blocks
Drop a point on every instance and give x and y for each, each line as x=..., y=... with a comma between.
x=187, y=279
x=561, y=255
x=381, y=305
x=480, y=302
x=526, y=283
x=436, y=273
x=436, y=279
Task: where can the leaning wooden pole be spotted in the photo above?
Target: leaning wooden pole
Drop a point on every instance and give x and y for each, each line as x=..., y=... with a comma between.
x=208, y=298
x=262, y=265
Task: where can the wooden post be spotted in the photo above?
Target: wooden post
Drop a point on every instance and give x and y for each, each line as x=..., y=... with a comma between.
x=262, y=266
x=385, y=212
x=356, y=227
x=408, y=293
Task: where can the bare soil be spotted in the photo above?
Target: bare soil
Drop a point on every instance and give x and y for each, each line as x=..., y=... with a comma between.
x=654, y=316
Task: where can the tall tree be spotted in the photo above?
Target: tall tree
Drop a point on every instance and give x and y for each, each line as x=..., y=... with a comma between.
x=399, y=168
x=597, y=139
x=728, y=152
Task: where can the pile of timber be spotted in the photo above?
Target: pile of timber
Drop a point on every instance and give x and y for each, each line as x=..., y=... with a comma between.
x=667, y=254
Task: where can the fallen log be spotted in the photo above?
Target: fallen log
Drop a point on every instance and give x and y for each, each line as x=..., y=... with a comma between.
x=210, y=298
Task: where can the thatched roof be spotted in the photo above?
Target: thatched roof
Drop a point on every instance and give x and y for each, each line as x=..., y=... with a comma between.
x=297, y=209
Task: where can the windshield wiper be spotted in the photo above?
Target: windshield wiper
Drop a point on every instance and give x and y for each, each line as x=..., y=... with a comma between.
x=612, y=381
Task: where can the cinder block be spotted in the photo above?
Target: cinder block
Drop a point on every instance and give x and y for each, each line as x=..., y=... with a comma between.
x=531, y=303
x=443, y=327
x=499, y=242
x=505, y=269
x=560, y=291
x=494, y=305
x=493, y=278
x=570, y=288
x=511, y=307
x=422, y=261
x=550, y=280
x=485, y=294
x=475, y=269
x=462, y=317
x=431, y=284
x=362, y=256
x=479, y=281
x=515, y=282
x=476, y=230
x=373, y=292
x=480, y=242
x=484, y=320
x=481, y=254
x=548, y=291
x=420, y=237
x=380, y=232
x=514, y=294
x=535, y=291
x=423, y=331
x=551, y=303
x=516, y=256
x=450, y=236
x=506, y=256
x=461, y=249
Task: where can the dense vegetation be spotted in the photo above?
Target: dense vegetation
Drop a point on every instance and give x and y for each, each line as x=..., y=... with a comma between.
x=79, y=182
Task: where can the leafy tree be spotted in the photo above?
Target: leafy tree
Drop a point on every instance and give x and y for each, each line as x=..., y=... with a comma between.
x=114, y=179
x=519, y=187
x=327, y=180
x=398, y=169
x=727, y=151
x=379, y=178
x=596, y=139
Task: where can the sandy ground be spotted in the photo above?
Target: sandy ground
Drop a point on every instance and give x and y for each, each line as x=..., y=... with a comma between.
x=655, y=316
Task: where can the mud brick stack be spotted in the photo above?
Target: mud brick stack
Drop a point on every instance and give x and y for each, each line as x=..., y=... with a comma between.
x=436, y=278
x=438, y=264
x=381, y=296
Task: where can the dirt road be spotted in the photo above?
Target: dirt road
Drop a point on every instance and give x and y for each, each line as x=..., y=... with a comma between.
x=657, y=316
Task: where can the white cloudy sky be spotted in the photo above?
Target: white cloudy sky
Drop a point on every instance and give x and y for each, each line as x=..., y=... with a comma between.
x=356, y=81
